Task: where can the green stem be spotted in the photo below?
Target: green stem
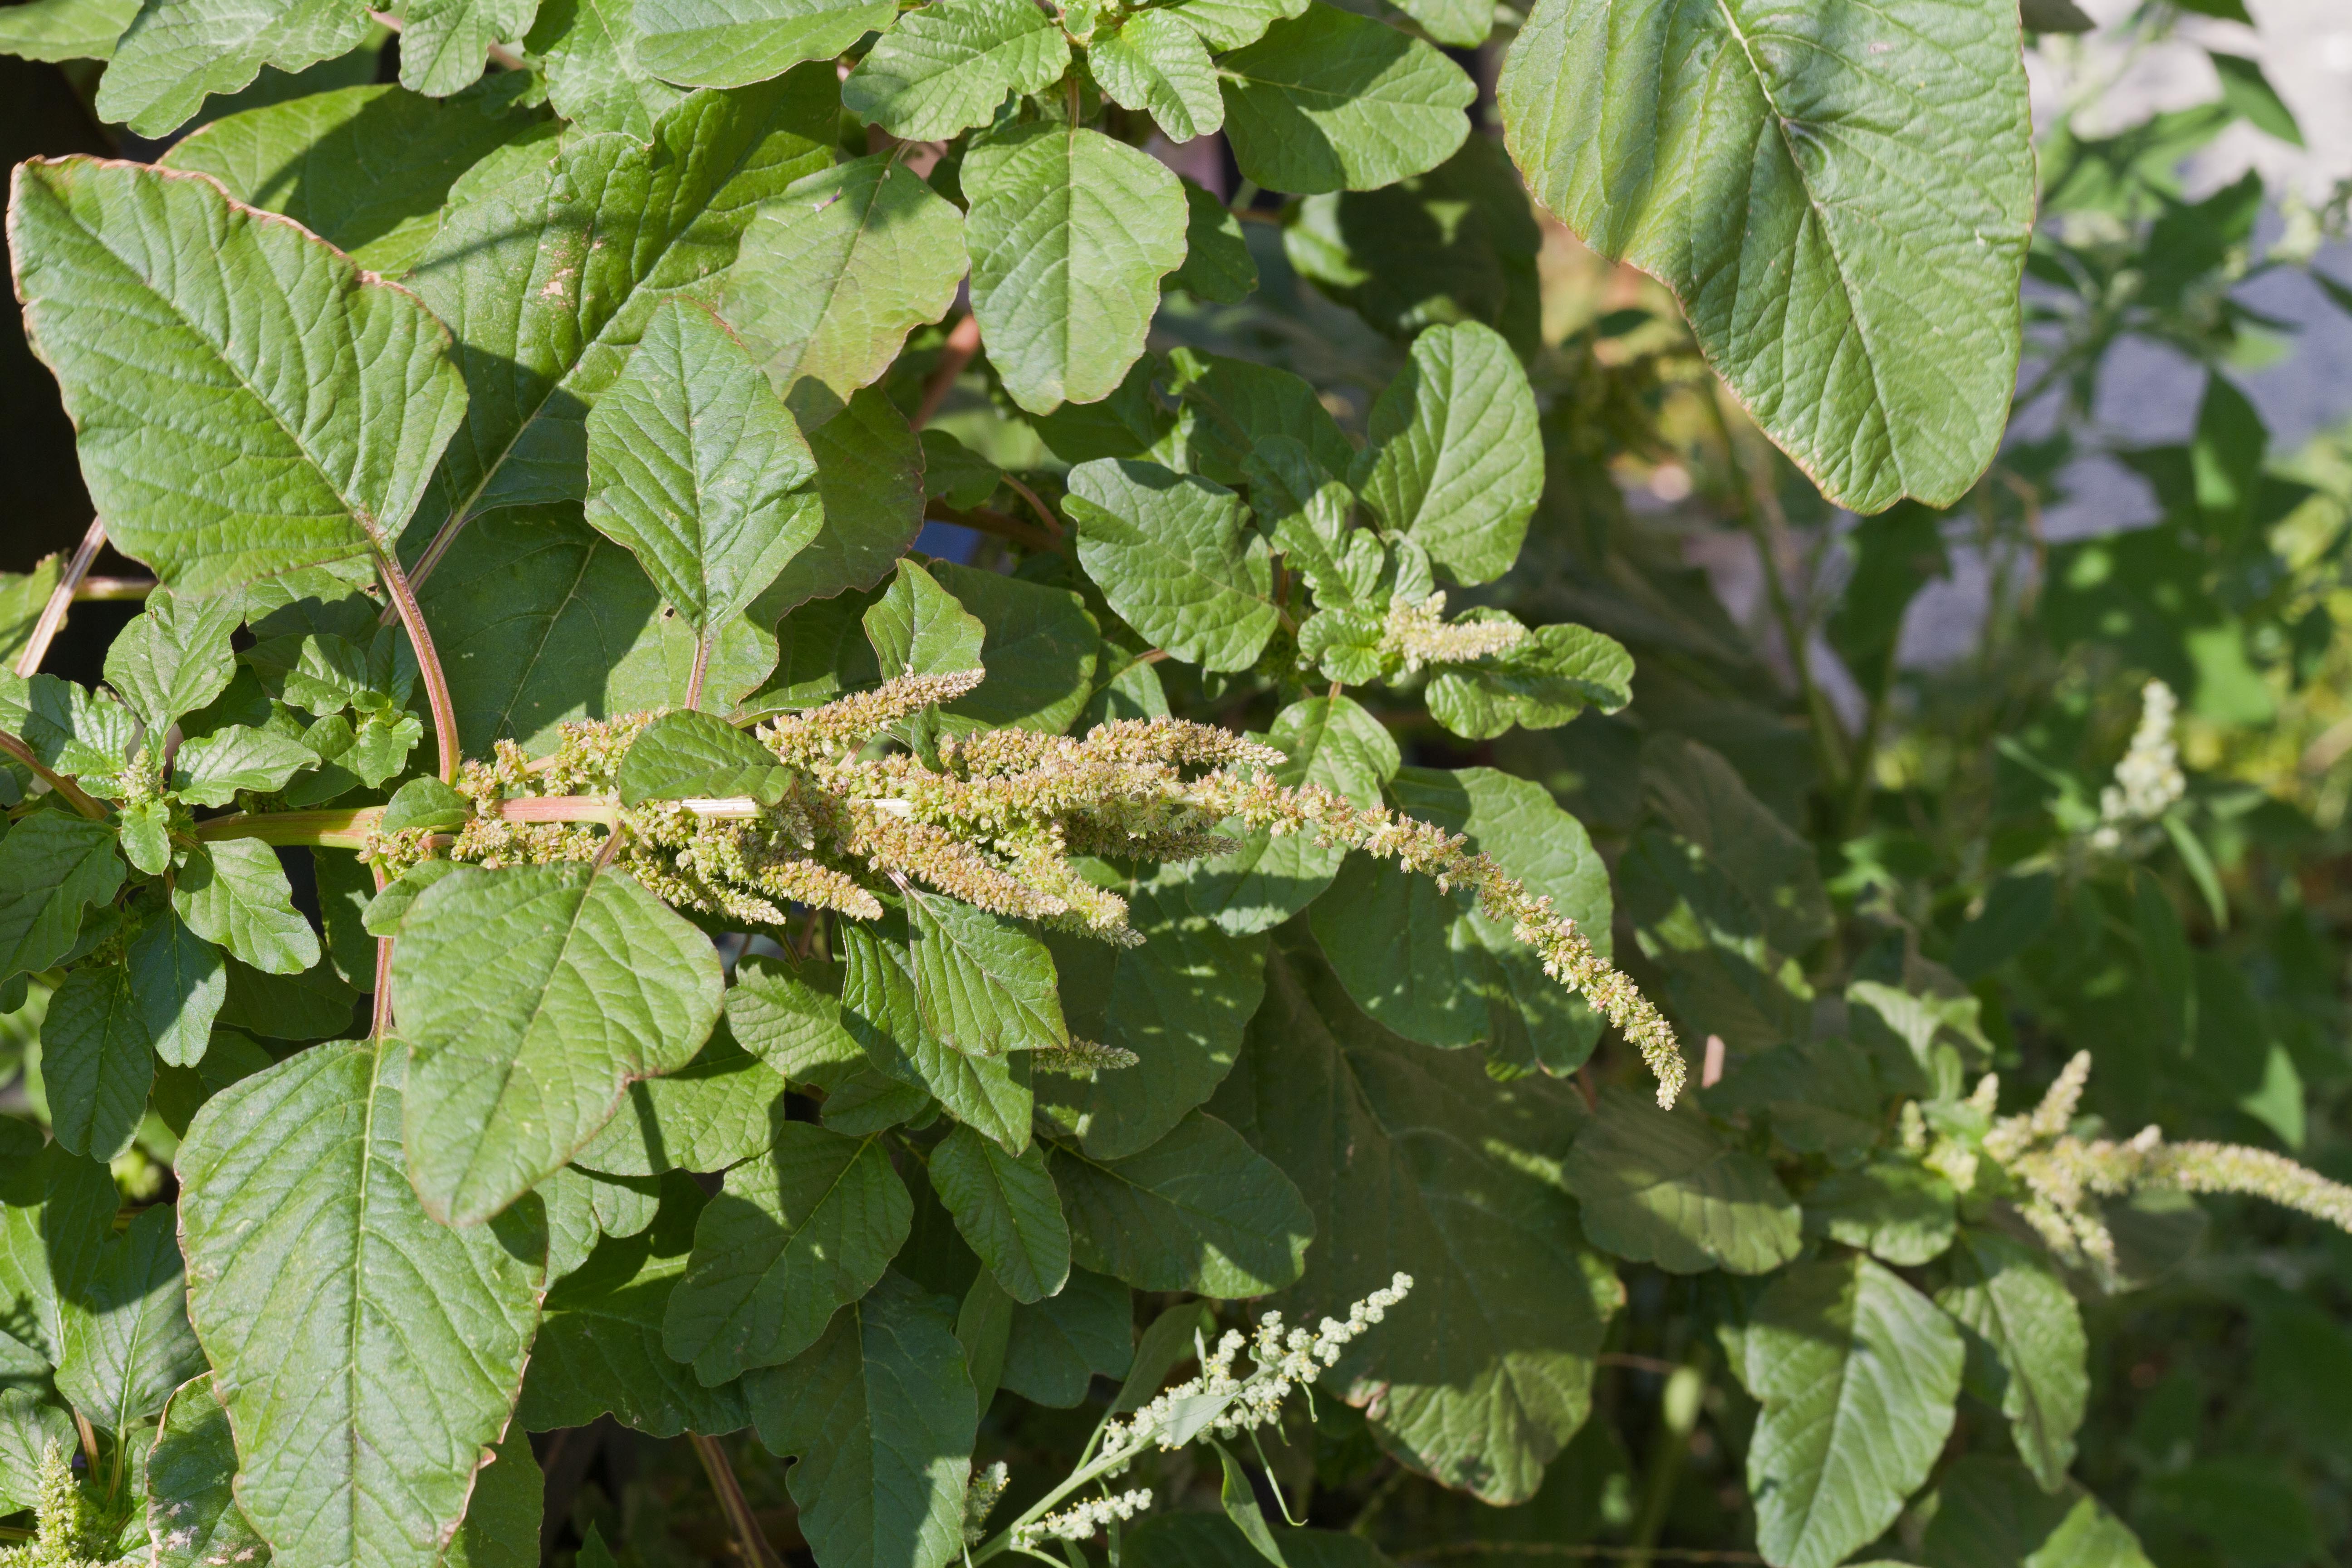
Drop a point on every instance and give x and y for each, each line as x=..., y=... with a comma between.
x=1001, y=1542
x=67, y=791
x=1678, y=1411
x=332, y=829
x=403, y=595
x=748, y=1537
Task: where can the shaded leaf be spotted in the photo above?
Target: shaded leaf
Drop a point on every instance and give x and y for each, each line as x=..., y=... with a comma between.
x=2026, y=1346
x=717, y=1111
x=1007, y=1207
x=193, y=1519
x=1056, y=1348
x=52, y=867
x=233, y=893
x=1660, y=1187
x=97, y=1061
x=1330, y=100
x=1199, y=1210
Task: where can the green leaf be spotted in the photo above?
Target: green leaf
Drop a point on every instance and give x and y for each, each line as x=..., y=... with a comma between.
x=1070, y=233
x=732, y=43
x=789, y=1239
x=57, y=1217
x=545, y=315
x=870, y=473
x=881, y=1412
x=1213, y=1541
x=1434, y=968
x=1332, y=742
x=1167, y=1344
x=683, y=755
x=533, y=997
x=1230, y=407
x=173, y=657
x=549, y=621
x=308, y=1005
x=1056, y=1348
x=146, y=828
x=983, y=981
x=717, y=1111
x=1330, y=100
x=600, y=1352
x=880, y=1006
x=949, y=65
x=444, y=43
x=1990, y=1513
x=426, y=802
x=85, y=734
x=1699, y=795
x=1416, y=1159
x=2026, y=1346
x=696, y=466
x=30, y=1425
x=175, y=55
x=98, y=1060
x=1199, y=1210
x=587, y=51
x=1039, y=648
x=918, y=628
x=179, y=982
x=25, y=595
x=52, y=865
x=1897, y=1209
x=362, y=1415
x=1179, y=1001
x=65, y=29
x=1241, y=1507
x=366, y=169
x=502, y=1517
x=193, y=1519
x=1856, y=1372
x=1218, y=266
x=1454, y=462
x=233, y=893
x=1006, y=1206
x=791, y=1018
x=1231, y=24
x=833, y=273
x=1175, y=556
x=326, y=407
x=1541, y=684
x=1155, y=63
x=1660, y=1187
x=211, y=769
x=1644, y=127
x=128, y=1344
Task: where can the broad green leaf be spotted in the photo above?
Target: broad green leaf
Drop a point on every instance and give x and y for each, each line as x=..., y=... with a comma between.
x=52, y=865
x=732, y=43
x=1218, y=266
x=1893, y=1208
x=146, y=828
x=983, y=981
x=1415, y=1160
x=549, y=277
x=179, y=982
x=683, y=755
x=1434, y=968
x=869, y=474
x=1199, y=1210
x=717, y=1111
x=193, y=1519
x=368, y=1356
x=547, y=620
x=2026, y=1346
x=1180, y=1002
x=128, y=1344
x=920, y=628
x=57, y=1217
x=696, y=466
x=833, y=273
x=584, y=1207
x=881, y=1412
x=259, y=429
x=1723, y=975
x=444, y=43
x=366, y=169
x=1660, y=1187
x=1454, y=462
x=1070, y=233
x=1699, y=796
x=1039, y=647
x=790, y=1018
x=177, y=52
x=1205, y=1540
x=600, y=1352
x=65, y=29
x=1330, y=100
x=30, y=1425
x=24, y=595
x=1055, y=1348
x=1853, y=277
x=1007, y=1209
x=309, y=1005
x=503, y=1516
x=949, y=65
x=1168, y=1343
x=789, y=1239
x=211, y=769
x=1333, y=743
x=180, y=1093
x=1231, y=406
x=989, y=1094
x=85, y=734
x=1822, y=1096
x=173, y=657
x=1856, y=1372
x=1231, y=24
x=533, y=997
x=1990, y=1513
x=1541, y=684
x=1155, y=63
x=233, y=893
x=97, y=1060
x=587, y=51
x=1175, y=556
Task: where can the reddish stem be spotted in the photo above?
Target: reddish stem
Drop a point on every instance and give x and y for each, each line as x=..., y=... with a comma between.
x=428, y=662
x=68, y=791
x=963, y=341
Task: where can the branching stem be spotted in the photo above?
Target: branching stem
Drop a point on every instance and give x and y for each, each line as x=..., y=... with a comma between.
x=67, y=791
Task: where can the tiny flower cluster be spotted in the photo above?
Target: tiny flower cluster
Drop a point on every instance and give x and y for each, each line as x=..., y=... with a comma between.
x=1084, y=1520
x=1418, y=632
x=980, y=1497
x=2148, y=779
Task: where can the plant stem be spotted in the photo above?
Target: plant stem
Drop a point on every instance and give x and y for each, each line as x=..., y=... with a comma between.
x=67, y=791
x=61, y=598
x=701, y=667
x=1025, y=534
x=733, y=1503
x=1094, y=1470
x=330, y=829
x=428, y=662
x=1678, y=1413
x=380, y=1011
x=96, y=588
x=963, y=341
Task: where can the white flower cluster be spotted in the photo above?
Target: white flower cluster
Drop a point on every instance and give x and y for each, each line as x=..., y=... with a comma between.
x=1082, y=1520
x=979, y=1495
x=2149, y=779
x=1418, y=632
